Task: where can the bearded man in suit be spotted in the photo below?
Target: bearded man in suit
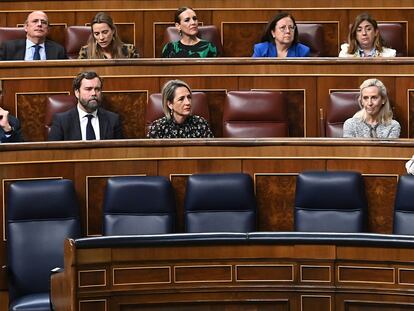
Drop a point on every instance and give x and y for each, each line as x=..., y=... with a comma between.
x=88, y=120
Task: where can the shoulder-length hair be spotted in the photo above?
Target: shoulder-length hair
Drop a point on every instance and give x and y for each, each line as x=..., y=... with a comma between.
x=385, y=114
x=352, y=41
x=94, y=49
x=168, y=94
x=267, y=35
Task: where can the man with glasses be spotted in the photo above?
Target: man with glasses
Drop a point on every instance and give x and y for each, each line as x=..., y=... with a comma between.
x=36, y=46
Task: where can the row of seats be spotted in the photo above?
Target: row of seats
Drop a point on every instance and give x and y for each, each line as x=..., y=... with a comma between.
x=42, y=213
x=245, y=113
x=310, y=34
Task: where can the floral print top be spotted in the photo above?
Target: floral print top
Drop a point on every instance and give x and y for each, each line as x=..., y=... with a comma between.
x=193, y=127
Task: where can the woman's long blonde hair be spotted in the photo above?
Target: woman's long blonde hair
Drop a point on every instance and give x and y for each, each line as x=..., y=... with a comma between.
x=94, y=50
x=385, y=114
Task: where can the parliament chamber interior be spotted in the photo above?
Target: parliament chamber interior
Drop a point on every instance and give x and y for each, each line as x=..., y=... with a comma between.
x=299, y=219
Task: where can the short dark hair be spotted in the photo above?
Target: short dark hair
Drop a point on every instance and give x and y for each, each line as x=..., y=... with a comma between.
x=88, y=75
x=267, y=35
x=179, y=11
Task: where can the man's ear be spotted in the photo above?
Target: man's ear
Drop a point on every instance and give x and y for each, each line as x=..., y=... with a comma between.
x=77, y=94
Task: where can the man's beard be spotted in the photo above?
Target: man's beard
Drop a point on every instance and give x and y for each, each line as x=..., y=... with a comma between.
x=91, y=104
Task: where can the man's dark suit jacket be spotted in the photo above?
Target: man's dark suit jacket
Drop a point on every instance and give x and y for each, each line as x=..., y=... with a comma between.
x=16, y=135
x=16, y=49
x=66, y=125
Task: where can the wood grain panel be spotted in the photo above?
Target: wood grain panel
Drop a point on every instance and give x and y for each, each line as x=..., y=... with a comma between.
x=91, y=278
x=265, y=273
x=380, y=192
x=309, y=273
x=131, y=107
x=141, y=275
x=316, y=302
x=179, y=183
x=406, y=276
x=361, y=274
x=93, y=305
x=203, y=274
x=275, y=195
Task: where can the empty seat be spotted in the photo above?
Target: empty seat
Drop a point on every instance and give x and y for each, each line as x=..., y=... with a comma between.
x=255, y=114
x=11, y=33
x=55, y=104
x=404, y=206
x=341, y=106
x=75, y=38
x=138, y=205
x=220, y=202
x=312, y=35
x=154, y=108
x=208, y=33
x=330, y=202
x=394, y=37
x=40, y=215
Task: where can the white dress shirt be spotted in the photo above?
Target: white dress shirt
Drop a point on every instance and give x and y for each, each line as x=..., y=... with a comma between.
x=30, y=50
x=84, y=121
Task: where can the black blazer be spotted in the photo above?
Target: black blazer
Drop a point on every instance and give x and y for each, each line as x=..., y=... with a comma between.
x=15, y=50
x=16, y=135
x=66, y=125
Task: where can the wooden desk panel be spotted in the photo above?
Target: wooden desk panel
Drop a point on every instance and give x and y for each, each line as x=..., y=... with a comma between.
x=278, y=275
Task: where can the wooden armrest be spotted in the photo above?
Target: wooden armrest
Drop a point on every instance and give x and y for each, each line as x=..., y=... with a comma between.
x=3, y=277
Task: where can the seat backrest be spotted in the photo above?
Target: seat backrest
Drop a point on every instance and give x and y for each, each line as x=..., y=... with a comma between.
x=154, y=110
x=394, y=37
x=75, y=38
x=255, y=114
x=313, y=36
x=55, y=104
x=341, y=106
x=220, y=203
x=138, y=205
x=330, y=202
x=404, y=207
x=208, y=33
x=11, y=33
x=40, y=215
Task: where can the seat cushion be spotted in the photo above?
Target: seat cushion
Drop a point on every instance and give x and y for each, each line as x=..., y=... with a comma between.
x=33, y=302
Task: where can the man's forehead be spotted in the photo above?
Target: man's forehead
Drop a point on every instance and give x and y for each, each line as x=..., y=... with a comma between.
x=37, y=15
x=91, y=82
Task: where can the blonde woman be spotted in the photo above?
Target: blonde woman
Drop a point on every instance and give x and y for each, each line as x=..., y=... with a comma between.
x=105, y=42
x=374, y=120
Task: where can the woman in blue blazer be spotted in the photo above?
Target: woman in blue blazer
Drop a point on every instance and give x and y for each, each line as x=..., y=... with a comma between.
x=280, y=39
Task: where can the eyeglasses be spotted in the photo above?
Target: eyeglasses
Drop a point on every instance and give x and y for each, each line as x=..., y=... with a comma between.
x=285, y=28
x=41, y=21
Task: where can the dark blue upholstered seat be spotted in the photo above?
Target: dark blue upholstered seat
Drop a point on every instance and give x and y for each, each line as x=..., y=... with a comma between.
x=138, y=205
x=220, y=203
x=404, y=206
x=330, y=202
x=40, y=215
